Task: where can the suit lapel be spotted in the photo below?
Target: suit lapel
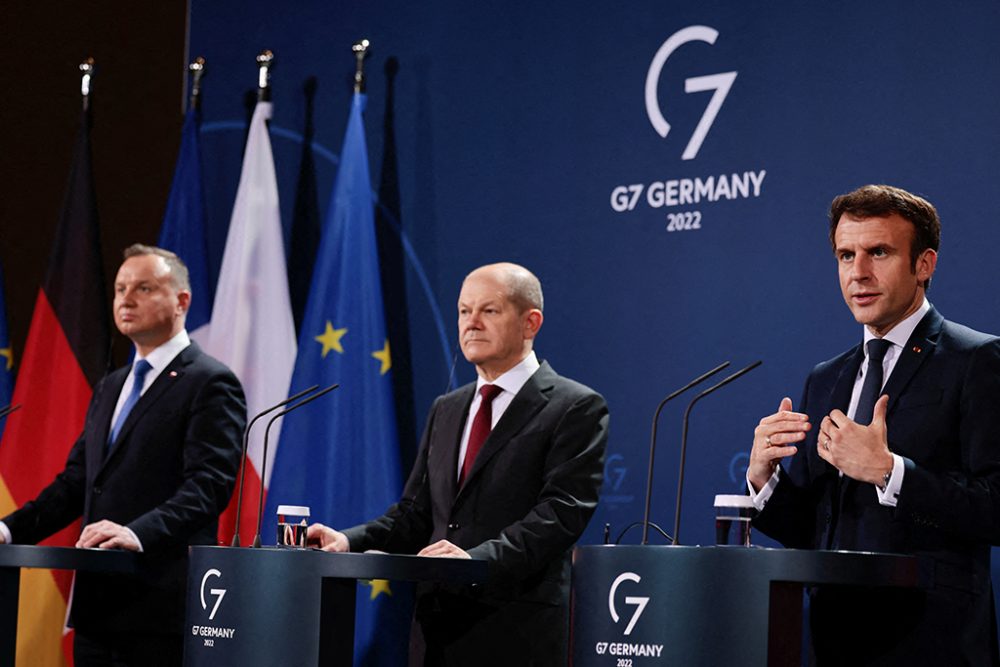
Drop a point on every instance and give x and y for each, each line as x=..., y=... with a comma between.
x=840, y=398
x=163, y=383
x=97, y=446
x=529, y=400
x=918, y=348
x=451, y=424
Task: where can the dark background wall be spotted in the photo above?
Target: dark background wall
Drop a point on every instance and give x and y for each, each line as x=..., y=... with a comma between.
x=138, y=90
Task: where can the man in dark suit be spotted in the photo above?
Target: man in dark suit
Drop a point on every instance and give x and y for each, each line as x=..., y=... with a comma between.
x=152, y=470
x=509, y=471
x=895, y=448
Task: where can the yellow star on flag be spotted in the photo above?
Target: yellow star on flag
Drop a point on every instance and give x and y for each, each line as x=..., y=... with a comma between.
x=9, y=353
x=383, y=356
x=331, y=339
x=379, y=586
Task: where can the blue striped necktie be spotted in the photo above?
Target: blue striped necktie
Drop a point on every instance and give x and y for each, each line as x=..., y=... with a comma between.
x=141, y=368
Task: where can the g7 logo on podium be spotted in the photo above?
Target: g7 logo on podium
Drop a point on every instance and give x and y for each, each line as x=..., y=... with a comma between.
x=639, y=602
x=720, y=83
x=218, y=592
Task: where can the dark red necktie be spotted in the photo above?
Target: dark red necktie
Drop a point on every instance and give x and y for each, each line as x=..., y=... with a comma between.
x=481, y=427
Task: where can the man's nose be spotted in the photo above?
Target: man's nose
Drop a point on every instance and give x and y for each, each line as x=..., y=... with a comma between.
x=861, y=268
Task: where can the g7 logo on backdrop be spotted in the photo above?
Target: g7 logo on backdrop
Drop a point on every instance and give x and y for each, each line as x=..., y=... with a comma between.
x=720, y=83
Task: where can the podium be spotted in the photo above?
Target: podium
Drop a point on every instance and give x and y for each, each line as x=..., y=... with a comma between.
x=290, y=607
x=728, y=605
x=13, y=557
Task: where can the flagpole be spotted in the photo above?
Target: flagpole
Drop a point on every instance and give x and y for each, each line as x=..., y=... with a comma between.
x=264, y=61
x=87, y=70
x=360, y=49
x=198, y=70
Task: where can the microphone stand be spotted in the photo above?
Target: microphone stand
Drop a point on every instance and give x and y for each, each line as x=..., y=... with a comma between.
x=684, y=435
x=263, y=467
x=652, y=444
x=243, y=456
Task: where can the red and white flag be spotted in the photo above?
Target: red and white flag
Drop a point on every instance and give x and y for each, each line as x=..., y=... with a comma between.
x=251, y=329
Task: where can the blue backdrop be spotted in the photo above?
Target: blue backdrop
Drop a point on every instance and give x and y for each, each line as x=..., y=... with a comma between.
x=524, y=132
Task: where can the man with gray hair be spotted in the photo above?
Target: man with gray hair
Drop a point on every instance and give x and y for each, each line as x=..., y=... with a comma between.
x=509, y=471
x=151, y=472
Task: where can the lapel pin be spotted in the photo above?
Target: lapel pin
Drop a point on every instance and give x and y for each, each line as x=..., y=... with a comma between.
x=173, y=374
x=916, y=348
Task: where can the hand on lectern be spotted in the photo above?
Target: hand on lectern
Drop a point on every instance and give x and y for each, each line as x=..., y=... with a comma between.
x=774, y=439
x=327, y=539
x=444, y=549
x=106, y=534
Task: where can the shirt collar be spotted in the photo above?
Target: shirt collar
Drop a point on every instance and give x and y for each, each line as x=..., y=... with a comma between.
x=900, y=333
x=165, y=353
x=515, y=378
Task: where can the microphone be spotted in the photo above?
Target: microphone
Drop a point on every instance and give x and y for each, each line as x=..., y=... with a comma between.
x=243, y=456
x=267, y=432
x=684, y=436
x=7, y=409
x=652, y=442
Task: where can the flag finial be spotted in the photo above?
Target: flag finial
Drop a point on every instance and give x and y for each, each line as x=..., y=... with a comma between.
x=198, y=70
x=265, y=59
x=87, y=73
x=360, y=49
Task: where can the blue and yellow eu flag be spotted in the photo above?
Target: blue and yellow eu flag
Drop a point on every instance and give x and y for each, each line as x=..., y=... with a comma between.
x=340, y=455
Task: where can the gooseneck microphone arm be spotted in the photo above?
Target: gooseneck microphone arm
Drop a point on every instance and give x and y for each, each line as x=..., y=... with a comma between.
x=652, y=443
x=7, y=409
x=263, y=465
x=243, y=455
x=684, y=436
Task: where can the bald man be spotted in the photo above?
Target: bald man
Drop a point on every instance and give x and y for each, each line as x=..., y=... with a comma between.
x=509, y=471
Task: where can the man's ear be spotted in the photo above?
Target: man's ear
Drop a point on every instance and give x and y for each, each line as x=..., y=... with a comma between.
x=532, y=323
x=184, y=300
x=926, y=263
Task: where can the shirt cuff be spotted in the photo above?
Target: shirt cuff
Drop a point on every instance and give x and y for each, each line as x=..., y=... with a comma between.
x=134, y=537
x=5, y=536
x=890, y=495
x=760, y=498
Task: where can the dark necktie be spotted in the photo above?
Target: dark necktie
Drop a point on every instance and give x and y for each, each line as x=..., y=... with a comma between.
x=872, y=387
x=481, y=427
x=141, y=368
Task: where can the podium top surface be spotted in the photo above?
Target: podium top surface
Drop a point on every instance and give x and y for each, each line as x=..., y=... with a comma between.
x=69, y=558
x=792, y=565
x=395, y=567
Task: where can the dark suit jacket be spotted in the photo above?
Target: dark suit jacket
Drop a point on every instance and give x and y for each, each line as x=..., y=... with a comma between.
x=168, y=477
x=528, y=497
x=944, y=420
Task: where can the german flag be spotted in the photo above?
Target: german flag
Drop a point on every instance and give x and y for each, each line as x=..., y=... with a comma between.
x=65, y=354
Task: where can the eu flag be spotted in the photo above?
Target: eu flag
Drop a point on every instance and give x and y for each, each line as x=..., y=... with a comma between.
x=340, y=456
x=183, y=230
x=6, y=356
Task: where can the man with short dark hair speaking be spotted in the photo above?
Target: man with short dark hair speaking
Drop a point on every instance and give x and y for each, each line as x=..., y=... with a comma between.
x=509, y=471
x=151, y=472
x=895, y=447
